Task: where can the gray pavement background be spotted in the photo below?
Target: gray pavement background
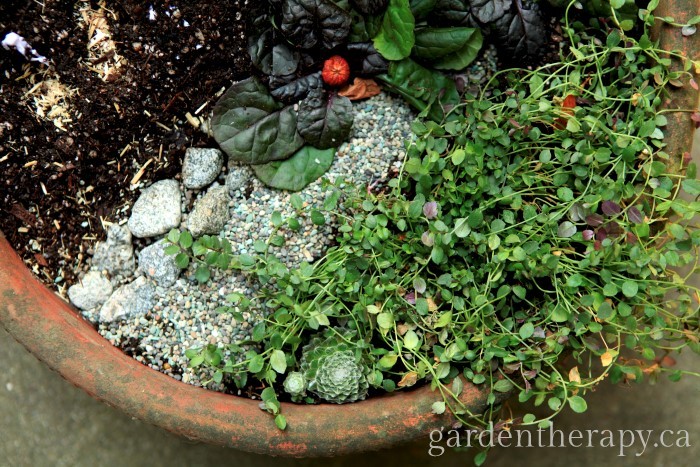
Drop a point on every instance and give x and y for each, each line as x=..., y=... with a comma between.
x=45, y=421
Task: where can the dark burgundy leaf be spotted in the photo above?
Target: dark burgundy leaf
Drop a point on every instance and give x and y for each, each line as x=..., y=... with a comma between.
x=613, y=229
x=284, y=60
x=520, y=33
x=601, y=234
x=594, y=220
x=259, y=49
x=631, y=238
x=634, y=215
x=310, y=23
x=610, y=208
x=365, y=59
x=452, y=13
x=298, y=89
x=421, y=8
x=369, y=7
x=488, y=11
x=325, y=119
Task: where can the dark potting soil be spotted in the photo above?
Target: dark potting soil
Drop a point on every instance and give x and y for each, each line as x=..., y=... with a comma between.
x=58, y=184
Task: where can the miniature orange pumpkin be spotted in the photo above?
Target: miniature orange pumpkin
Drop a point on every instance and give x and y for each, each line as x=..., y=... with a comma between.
x=336, y=71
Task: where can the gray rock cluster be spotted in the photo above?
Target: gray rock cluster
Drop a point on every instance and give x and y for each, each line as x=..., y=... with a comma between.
x=112, y=264
x=114, y=288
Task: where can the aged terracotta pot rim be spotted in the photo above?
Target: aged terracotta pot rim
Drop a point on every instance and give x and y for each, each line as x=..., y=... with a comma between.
x=56, y=334
x=50, y=329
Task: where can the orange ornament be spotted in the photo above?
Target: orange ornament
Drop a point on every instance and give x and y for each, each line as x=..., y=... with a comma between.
x=336, y=71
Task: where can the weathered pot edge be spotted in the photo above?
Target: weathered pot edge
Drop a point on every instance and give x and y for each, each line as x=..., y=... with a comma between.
x=51, y=330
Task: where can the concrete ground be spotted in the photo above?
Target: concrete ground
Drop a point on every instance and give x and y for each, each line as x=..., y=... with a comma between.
x=44, y=421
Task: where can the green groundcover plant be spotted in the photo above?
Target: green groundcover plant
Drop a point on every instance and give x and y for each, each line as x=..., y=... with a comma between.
x=531, y=244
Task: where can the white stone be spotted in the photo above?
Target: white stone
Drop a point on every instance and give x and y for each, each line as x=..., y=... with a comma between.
x=129, y=300
x=210, y=212
x=157, y=265
x=201, y=167
x=92, y=291
x=157, y=210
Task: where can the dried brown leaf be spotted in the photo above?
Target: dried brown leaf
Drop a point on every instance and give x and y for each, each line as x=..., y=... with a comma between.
x=574, y=375
x=432, y=306
x=409, y=379
x=360, y=88
x=607, y=358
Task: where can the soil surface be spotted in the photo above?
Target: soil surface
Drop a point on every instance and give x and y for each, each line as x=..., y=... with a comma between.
x=110, y=107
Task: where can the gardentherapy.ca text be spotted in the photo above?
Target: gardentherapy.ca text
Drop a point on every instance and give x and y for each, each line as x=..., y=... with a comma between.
x=626, y=442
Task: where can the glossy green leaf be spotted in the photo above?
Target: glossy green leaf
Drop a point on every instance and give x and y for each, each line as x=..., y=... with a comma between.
x=424, y=89
x=293, y=174
x=396, y=38
x=448, y=48
x=253, y=128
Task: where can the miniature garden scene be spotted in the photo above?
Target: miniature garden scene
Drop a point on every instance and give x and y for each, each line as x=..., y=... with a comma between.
x=301, y=204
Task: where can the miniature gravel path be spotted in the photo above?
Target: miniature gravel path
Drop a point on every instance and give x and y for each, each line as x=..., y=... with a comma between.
x=184, y=316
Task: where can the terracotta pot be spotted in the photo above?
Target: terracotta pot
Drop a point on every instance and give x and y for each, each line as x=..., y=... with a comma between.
x=58, y=336
x=68, y=344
